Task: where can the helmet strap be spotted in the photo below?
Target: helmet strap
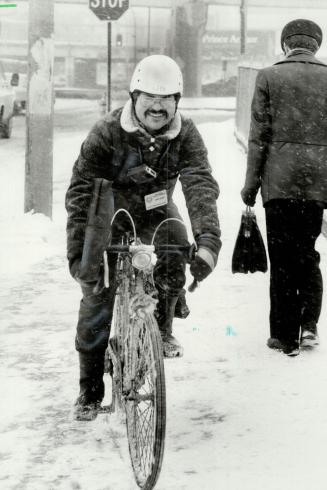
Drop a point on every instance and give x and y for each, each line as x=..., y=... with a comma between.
x=134, y=95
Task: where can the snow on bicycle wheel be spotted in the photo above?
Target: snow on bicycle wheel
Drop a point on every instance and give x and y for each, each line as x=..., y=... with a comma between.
x=145, y=399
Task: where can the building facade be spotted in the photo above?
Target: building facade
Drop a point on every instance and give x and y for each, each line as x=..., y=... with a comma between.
x=81, y=41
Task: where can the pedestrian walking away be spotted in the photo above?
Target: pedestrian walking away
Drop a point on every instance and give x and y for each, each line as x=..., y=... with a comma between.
x=142, y=148
x=287, y=160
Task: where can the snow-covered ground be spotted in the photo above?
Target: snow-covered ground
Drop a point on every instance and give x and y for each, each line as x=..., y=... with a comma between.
x=240, y=417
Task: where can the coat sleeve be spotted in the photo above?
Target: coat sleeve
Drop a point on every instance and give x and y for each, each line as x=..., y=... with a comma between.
x=260, y=133
x=94, y=153
x=200, y=189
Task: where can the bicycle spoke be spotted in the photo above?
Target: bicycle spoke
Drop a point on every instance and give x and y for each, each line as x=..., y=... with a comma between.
x=145, y=446
x=143, y=416
x=145, y=421
x=145, y=412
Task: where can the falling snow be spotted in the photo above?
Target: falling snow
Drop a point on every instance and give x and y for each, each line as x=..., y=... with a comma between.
x=240, y=417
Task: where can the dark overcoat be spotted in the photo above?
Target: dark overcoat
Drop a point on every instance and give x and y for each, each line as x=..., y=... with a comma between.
x=287, y=149
x=177, y=153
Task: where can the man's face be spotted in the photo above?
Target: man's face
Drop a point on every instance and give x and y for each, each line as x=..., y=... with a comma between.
x=155, y=111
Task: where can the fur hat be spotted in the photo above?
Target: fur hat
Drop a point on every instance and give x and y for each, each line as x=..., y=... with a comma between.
x=301, y=27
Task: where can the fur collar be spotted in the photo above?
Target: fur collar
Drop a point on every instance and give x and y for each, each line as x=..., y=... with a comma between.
x=130, y=124
x=296, y=51
x=300, y=55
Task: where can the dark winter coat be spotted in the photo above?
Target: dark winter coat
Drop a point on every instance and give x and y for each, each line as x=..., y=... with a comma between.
x=117, y=143
x=287, y=150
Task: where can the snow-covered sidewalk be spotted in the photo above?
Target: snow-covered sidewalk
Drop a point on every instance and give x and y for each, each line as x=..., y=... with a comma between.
x=240, y=417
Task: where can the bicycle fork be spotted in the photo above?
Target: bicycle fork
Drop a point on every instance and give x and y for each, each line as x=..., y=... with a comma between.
x=113, y=365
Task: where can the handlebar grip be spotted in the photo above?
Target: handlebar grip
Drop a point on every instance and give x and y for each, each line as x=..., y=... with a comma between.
x=192, y=287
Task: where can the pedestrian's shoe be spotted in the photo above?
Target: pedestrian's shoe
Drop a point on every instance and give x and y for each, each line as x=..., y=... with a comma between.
x=170, y=346
x=86, y=410
x=289, y=348
x=274, y=343
x=309, y=339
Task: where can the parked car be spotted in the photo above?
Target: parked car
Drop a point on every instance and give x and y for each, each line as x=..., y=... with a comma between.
x=220, y=88
x=19, y=83
x=7, y=103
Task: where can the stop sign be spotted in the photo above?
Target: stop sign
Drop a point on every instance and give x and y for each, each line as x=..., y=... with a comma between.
x=108, y=9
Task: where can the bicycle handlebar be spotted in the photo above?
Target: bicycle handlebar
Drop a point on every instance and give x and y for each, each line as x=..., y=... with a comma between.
x=148, y=248
x=189, y=251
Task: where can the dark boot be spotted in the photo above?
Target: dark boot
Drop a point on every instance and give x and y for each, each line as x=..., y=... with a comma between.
x=164, y=314
x=91, y=386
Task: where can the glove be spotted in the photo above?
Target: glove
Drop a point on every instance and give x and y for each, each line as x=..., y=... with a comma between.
x=206, y=256
x=74, y=265
x=96, y=286
x=248, y=196
x=200, y=269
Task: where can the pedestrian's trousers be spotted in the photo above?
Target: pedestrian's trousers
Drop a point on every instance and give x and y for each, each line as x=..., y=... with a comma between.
x=95, y=313
x=295, y=278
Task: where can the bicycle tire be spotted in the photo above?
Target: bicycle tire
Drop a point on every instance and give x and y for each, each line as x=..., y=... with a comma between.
x=145, y=404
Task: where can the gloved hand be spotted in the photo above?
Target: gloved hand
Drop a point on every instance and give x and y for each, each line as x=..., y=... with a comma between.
x=206, y=256
x=248, y=196
x=74, y=266
x=200, y=269
x=96, y=286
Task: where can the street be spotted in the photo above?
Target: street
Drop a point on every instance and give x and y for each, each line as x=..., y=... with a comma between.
x=81, y=114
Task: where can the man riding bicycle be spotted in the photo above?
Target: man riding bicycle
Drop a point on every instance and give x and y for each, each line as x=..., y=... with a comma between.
x=142, y=149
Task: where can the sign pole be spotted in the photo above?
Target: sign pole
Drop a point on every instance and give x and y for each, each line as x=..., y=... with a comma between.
x=149, y=32
x=109, y=68
x=108, y=10
x=243, y=26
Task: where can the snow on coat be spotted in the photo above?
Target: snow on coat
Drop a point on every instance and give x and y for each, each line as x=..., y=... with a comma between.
x=287, y=150
x=117, y=142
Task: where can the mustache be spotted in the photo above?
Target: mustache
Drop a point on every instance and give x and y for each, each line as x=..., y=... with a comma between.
x=161, y=112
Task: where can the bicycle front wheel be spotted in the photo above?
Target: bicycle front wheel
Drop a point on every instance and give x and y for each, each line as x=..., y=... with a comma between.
x=145, y=401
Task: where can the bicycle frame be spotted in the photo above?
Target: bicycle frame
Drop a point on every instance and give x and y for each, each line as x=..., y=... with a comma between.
x=132, y=270
x=134, y=355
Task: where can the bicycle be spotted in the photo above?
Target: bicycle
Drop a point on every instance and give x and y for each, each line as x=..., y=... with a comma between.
x=134, y=355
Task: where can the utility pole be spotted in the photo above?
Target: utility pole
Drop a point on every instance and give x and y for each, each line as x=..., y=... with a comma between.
x=243, y=25
x=189, y=22
x=39, y=126
x=149, y=32
x=109, y=66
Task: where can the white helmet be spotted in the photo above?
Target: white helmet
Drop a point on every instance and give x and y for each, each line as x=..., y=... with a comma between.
x=157, y=74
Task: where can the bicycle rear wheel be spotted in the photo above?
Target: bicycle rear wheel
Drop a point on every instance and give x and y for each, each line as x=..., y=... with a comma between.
x=145, y=400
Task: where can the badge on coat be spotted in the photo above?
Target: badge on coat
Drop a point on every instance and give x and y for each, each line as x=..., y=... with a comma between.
x=155, y=200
